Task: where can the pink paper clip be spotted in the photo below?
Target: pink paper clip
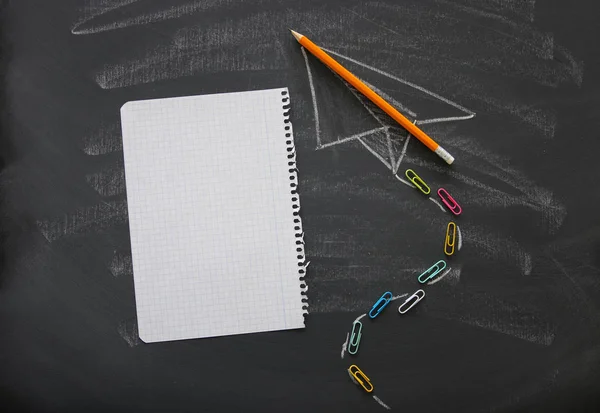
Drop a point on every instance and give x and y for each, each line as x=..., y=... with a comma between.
x=449, y=202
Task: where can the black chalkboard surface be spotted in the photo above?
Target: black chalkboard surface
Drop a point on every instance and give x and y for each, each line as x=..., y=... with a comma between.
x=511, y=88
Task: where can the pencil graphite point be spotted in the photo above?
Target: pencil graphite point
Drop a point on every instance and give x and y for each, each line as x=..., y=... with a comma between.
x=297, y=35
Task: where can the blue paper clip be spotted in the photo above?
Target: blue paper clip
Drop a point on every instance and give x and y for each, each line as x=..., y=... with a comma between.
x=355, y=338
x=432, y=271
x=380, y=304
x=411, y=301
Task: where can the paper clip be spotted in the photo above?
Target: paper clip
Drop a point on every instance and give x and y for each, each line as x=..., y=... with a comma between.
x=449, y=202
x=355, y=338
x=361, y=378
x=417, y=181
x=450, y=239
x=432, y=271
x=380, y=304
x=411, y=301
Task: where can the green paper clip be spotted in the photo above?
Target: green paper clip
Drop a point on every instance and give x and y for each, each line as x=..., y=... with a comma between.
x=355, y=337
x=432, y=271
x=417, y=181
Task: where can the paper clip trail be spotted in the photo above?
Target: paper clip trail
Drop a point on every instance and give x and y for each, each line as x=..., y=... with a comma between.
x=411, y=301
x=449, y=202
x=432, y=271
x=355, y=337
x=417, y=181
x=380, y=304
x=361, y=378
x=450, y=239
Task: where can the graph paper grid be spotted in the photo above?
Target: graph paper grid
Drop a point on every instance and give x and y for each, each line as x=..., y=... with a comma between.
x=215, y=232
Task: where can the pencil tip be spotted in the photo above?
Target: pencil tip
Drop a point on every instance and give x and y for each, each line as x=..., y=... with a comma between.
x=297, y=35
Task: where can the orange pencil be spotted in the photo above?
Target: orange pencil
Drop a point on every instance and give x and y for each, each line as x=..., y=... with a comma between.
x=372, y=96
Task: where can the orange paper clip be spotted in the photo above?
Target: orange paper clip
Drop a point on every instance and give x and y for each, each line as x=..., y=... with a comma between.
x=449, y=202
x=361, y=378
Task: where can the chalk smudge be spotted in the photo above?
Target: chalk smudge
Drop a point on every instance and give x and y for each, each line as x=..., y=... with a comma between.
x=489, y=313
x=540, y=335
x=200, y=50
x=530, y=195
x=87, y=24
x=95, y=8
x=105, y=140
x=121, y=264
x=94, y=218
x=498, y=247
x=459, y=246
x=128, y=330
x=108, y=182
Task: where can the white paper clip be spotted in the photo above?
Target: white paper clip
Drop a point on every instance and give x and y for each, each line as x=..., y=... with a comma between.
x=411, y=301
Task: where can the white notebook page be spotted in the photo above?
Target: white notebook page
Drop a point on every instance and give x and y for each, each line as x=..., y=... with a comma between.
x=215, y=242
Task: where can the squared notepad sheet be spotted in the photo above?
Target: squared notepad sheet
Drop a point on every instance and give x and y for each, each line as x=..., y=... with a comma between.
x=211, y=215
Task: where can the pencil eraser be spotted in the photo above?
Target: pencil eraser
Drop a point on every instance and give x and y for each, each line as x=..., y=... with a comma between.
x=442, y=153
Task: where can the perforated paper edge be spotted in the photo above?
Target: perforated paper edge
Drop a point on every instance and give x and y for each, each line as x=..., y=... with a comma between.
x=297, y=220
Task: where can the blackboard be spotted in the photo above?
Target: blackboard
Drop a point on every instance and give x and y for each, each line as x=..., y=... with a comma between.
x=514, y=326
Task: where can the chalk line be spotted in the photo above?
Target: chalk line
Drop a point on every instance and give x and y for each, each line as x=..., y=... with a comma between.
x=405, y=82
x=314, y=98
x=403, y=153
x=352, y=377
x=358, y=319
x=345, y=345
x=378, y=400
x=399, y=296
x=353, y=137
x=389, y=146
x=459, y=238
x=440, y=277
x=386, y=163
x=404, y=182
x=435, y=201
x=442, y=120
x=390, y=99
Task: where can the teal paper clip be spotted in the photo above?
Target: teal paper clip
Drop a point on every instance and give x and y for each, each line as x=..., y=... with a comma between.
x=380, y=304
x=355, y=337
x=432, y=271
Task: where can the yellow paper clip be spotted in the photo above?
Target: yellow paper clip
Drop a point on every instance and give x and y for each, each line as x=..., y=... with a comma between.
x=450, y=239
x=417, y=181
x=360, y=378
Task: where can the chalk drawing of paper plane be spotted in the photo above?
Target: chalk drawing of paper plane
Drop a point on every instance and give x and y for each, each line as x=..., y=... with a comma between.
x=344, y=115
